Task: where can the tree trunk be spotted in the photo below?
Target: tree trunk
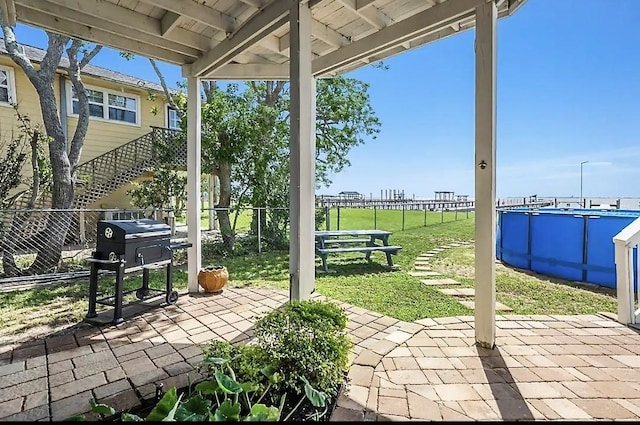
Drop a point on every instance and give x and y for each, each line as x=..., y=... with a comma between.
x=258, y=202
x=55, y=232
x=224, y=174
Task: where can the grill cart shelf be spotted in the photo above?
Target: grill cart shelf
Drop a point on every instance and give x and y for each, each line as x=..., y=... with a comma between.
x=125, y=246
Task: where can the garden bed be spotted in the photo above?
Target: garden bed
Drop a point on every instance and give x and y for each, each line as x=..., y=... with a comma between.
x=302, y=413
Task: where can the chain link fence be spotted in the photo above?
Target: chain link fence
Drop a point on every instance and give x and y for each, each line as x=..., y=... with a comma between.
x=26, y=235
x=392, y=217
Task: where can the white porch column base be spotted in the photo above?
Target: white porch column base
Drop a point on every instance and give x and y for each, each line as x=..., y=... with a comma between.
x=302, y=156
x=193, y=182
x=485, y=175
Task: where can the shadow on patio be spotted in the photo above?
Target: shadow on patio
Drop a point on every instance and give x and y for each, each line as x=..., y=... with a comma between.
x=544, y=367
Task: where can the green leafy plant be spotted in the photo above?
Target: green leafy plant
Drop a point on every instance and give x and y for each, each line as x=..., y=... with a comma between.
x=222, y=398
x=306, y=338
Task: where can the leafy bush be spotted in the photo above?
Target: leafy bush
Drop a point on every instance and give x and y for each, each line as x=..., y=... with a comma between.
x=247, y=361
x=306, y=338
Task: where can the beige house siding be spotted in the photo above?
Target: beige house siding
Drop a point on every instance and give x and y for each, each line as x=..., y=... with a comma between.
x=102, y=135
x=26, y=97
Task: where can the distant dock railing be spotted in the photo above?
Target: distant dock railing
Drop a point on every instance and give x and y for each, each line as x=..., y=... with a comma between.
x=425, y=204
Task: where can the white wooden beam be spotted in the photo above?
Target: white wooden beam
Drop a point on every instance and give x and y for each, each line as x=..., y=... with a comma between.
x=61, y=25
x=198, y=12
x=302, y=156
x=256, y=4
x=421, y=24
x=250, y=71
x=111, y=27
x=134, y=21
x=370, y=14
x=328, y=35
x=169, y=22
x=485, y=175
x=361, y=4
x=194, y=253
x=251, y=32
x=8, y=8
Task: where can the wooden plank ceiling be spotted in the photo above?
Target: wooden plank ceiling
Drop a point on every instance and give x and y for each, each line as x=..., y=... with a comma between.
x=248, y=39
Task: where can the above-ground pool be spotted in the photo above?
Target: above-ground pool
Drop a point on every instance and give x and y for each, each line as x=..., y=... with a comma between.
x=574, y=244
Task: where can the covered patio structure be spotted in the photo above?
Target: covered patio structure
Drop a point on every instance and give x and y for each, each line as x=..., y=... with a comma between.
x=300, y=41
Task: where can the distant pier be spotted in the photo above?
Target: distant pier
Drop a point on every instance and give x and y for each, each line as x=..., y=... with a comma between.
x=425, y=204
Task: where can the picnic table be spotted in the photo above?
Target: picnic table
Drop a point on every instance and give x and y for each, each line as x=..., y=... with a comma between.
x=339, y=241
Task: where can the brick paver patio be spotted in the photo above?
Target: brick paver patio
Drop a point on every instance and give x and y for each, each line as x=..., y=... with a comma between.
x=544, y=367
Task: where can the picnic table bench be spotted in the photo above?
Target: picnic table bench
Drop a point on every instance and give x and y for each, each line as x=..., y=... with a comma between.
x=339, y=241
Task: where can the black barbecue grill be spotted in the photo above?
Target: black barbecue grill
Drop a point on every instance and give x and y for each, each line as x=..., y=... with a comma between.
x=125, y=246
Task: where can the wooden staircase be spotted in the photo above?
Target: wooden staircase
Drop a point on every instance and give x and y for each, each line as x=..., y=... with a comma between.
x=118, y=167
x=103, y=175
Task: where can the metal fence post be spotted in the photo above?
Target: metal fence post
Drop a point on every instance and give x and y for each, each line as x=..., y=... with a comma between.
x=442, y=214
x=456, y=213
x=259, y=233
x=467, y=211
x=375, y=218
x=327, y=213
x=425, y=217
x=338, y=224
x=403, y=216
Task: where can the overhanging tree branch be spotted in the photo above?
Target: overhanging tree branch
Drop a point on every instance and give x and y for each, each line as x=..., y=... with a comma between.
x=165, y=88
x=83, y=100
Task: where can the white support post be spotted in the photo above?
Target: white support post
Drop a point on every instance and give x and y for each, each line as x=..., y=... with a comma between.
x=212, y=199
x=624, y=282
x=485, y=175
x=302, y=155
x=193, y=182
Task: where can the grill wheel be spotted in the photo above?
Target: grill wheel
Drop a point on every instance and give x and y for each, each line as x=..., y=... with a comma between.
x=141, y=293
x=172, y=297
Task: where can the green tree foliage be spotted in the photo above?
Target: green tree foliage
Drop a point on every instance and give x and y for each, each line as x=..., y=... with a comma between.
x=157, y=192
x=246, y=130
x=11, y=165
x=30, y=142
x=245, y=142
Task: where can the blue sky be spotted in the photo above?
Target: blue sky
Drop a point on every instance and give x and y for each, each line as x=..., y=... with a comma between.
x=568, y=91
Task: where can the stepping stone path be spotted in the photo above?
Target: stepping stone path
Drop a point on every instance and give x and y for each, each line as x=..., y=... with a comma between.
x=424, y=274
x=499, y=305
x=439, y=282
x=461, y=294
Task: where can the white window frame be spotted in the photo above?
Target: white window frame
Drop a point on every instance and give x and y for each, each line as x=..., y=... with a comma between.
x=11, y=86
x=167, y=108
x=105, y=104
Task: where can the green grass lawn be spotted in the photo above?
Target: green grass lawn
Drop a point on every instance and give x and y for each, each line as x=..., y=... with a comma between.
x=527, y=292
x=356, y=218
x=369, y=285
x=392, y=220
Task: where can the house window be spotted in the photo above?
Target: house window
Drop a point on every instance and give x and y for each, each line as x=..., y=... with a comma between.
x=7, y=86
x=107, y=105
x=122, y=108
x=173, y=120
x=96, y=103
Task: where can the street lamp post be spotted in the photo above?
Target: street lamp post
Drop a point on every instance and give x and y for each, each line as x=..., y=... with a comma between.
x=581, y=164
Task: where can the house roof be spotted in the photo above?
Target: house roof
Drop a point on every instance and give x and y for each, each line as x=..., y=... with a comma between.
x=36, y=54
x=249, y=39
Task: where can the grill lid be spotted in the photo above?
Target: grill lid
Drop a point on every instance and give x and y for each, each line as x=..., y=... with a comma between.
x=119, y=230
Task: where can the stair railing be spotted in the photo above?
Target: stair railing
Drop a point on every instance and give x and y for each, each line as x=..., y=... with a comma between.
x=628, y=273
x=137, y=154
